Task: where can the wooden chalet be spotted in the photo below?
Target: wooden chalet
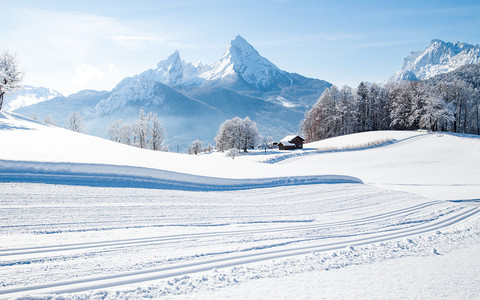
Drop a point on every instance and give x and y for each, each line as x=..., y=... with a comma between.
x=291, y=142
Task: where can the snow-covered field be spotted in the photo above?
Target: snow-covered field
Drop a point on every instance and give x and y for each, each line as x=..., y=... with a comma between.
x=372, y=215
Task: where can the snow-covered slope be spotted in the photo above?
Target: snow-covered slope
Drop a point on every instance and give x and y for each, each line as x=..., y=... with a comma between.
x=438, y=165
x=28, y=95
x=117, y=222
x=439, y=57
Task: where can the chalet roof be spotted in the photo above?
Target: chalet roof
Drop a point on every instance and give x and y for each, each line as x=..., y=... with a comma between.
x=286, y=140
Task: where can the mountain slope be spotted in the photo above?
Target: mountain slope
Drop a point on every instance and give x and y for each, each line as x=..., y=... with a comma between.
x=272, y=119
x=59, y=108
x=439, y=57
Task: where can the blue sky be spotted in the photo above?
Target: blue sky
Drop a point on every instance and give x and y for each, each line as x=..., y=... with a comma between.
x=74, y=45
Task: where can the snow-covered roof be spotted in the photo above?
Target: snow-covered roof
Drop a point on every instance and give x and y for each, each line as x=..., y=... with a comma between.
x=286, y=140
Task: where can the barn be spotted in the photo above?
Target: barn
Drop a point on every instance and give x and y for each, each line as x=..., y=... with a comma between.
x=291, y=142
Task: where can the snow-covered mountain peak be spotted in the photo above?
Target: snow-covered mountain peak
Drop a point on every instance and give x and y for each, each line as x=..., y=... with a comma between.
x=439, y=57
x=242, y=61
x=172, y=60
x=172, y=70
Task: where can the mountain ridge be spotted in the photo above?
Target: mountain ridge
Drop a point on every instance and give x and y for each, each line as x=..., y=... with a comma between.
x=193, y=100
x=437, y=58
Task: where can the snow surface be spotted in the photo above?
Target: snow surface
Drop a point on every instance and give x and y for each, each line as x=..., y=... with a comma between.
x=82, y=217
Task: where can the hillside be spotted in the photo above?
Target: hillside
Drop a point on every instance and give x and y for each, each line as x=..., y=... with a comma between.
x=113, y=221
x=383, y=158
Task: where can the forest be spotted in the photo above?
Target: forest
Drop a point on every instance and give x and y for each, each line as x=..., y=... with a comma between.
x=447, y=102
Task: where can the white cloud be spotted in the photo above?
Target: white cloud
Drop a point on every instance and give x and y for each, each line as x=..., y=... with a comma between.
x=85, y=74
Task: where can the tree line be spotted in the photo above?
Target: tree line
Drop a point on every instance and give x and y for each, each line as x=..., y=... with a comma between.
x=147, y=132
x=443, y=103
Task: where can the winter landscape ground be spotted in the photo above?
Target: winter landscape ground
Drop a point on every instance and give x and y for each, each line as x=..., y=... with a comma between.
x=387, y=214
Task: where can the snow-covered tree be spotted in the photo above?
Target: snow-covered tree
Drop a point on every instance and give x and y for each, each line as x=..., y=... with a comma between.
x=323, y=120
x=157, y=133
x=195, y=147
x=400, y=106
x=437, y=113
x=114, y=130
x=75, y=122
x=141, y=130
x=233, y=153
x=126, y=134
x=364, y=107
x=237, y=133
x=448, y=102
x=209, y=148
x=50, y=120
x=147, y=132
x=10, y=74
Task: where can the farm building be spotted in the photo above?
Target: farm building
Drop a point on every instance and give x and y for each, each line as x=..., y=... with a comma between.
x=291, y=142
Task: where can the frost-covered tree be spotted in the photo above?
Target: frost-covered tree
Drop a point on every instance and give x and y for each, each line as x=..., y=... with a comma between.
x=233, y=153
x=209, y=148
x=146, y=133
x=10, y=74
x=237, y=133
x=141, y=130
x=400, y=106
x=75, y=122
x=437, y=113
x=447, y=102
x=114, y=130
x=157, y=133
x=126, y=134
x=195, y=147
x=364, y=107
x=50, y=120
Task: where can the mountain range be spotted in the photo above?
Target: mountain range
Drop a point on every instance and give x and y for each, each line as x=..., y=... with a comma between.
x=438, y=58
x=193, y=100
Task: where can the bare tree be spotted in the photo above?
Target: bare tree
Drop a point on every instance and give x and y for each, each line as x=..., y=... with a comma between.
x=75, y=122
x=10, y=74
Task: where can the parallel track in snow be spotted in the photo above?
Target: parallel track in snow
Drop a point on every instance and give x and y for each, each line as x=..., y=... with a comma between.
x=6, y=253
x=135, y=277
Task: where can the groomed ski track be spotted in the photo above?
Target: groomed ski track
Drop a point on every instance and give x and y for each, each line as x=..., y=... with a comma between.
x=140, y=276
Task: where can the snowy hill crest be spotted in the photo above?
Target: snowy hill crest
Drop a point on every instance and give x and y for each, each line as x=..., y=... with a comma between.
x=439, y=57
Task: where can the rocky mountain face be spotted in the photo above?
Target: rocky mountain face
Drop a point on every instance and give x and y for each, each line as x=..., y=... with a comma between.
x=438, y=58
